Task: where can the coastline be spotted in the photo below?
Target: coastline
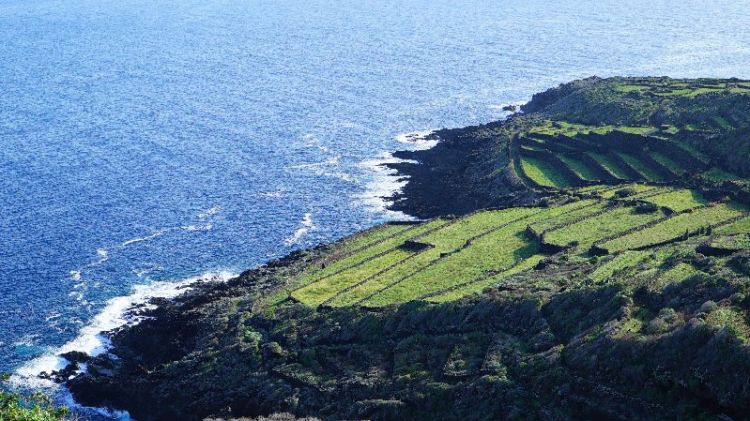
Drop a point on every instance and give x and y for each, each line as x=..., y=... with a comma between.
x=409, y=194
x=59, y=365
x=450, y=178
x=549, y=328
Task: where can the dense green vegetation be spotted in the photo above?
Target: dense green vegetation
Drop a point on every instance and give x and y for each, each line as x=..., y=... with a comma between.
x=37, y=407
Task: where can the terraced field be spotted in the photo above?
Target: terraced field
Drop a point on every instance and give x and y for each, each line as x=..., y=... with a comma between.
x=543, y=173
x=678, y=200
x=445, y=259
x=584, y=233
x=740, y=226
x=560, y=155
x=674, y=227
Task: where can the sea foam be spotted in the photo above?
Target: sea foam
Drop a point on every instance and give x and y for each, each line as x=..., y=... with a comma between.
x=116, y=313
x=385, y=182
x=306, y=224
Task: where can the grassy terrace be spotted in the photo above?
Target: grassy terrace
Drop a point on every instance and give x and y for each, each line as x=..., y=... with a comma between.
x=678, y=200
x=640, y=166
x=480, y=284
x=580, y=168
x=673, y=227
x=543, y=173
x=571, y=129
x=717, y=174
x=575, y=210
x=742, y=226
x=462, y=256
x=499, y=250
x=640, y=190
x=617, y=263
x=382, y=266
x=588, y=231
x=447, y=240
x=673, y=166
x=736, y=242
x=609, y=165
x=684, y=89
x=315, y=282
x=358, y=282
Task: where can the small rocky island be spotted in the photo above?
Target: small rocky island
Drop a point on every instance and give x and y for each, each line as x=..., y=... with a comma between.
x=587, y=258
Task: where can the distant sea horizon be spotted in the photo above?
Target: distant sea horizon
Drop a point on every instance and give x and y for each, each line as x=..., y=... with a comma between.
x=148, y=144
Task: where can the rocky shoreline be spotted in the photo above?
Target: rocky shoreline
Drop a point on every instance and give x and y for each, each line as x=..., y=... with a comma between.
x=454, y=176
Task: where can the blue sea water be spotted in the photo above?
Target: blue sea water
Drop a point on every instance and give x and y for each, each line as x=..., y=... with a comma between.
x=144, y=142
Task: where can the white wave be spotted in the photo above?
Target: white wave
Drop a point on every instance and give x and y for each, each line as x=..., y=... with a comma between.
x=115, y=314
x=52, y=316
x=306, y=226
x=328, y=168
x=27, y=340
x=206, y=227
x=146, y=238
x=275, y=194
x=328, y=162
x=77, y=295
x=418, y=139
x=382, y=185
x=213, y=211
x=75, y=275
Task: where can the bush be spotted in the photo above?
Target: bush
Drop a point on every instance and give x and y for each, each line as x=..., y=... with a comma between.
x=626, y=192
x=646, y=207
x=664, y=322
x=36, y=407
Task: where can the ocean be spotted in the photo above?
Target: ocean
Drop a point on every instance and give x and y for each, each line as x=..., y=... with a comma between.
x=148, y=143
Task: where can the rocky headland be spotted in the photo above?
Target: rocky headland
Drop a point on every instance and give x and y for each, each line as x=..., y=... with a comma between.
x=621, y=326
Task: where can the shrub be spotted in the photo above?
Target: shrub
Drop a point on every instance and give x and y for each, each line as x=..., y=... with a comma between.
x=36, y=407
x=628, y=191
x=664, y=322
x=646, y=207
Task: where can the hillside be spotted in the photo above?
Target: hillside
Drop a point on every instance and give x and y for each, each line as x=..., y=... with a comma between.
x=583, y=133
x=588, y=259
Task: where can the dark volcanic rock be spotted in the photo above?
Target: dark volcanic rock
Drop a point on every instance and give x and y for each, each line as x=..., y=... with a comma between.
x=458, y=175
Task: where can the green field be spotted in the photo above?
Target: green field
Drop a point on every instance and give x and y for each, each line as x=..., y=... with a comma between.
x=719, y=175
x=578, y=167
x=543, y=173
x=678, y=200
x=447, y=240
x=498, y=251
x=617, y=263
x=640, y=166
x=579, y=209
x=609, y=165
x=735, y=242
x=446, y=259
x=673, y=228
x=741, y=226
x=588, y=231
x=482, y=283
x=673, y=166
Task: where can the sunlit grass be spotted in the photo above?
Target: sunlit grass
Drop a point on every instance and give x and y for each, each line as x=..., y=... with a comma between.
x=543, y=173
